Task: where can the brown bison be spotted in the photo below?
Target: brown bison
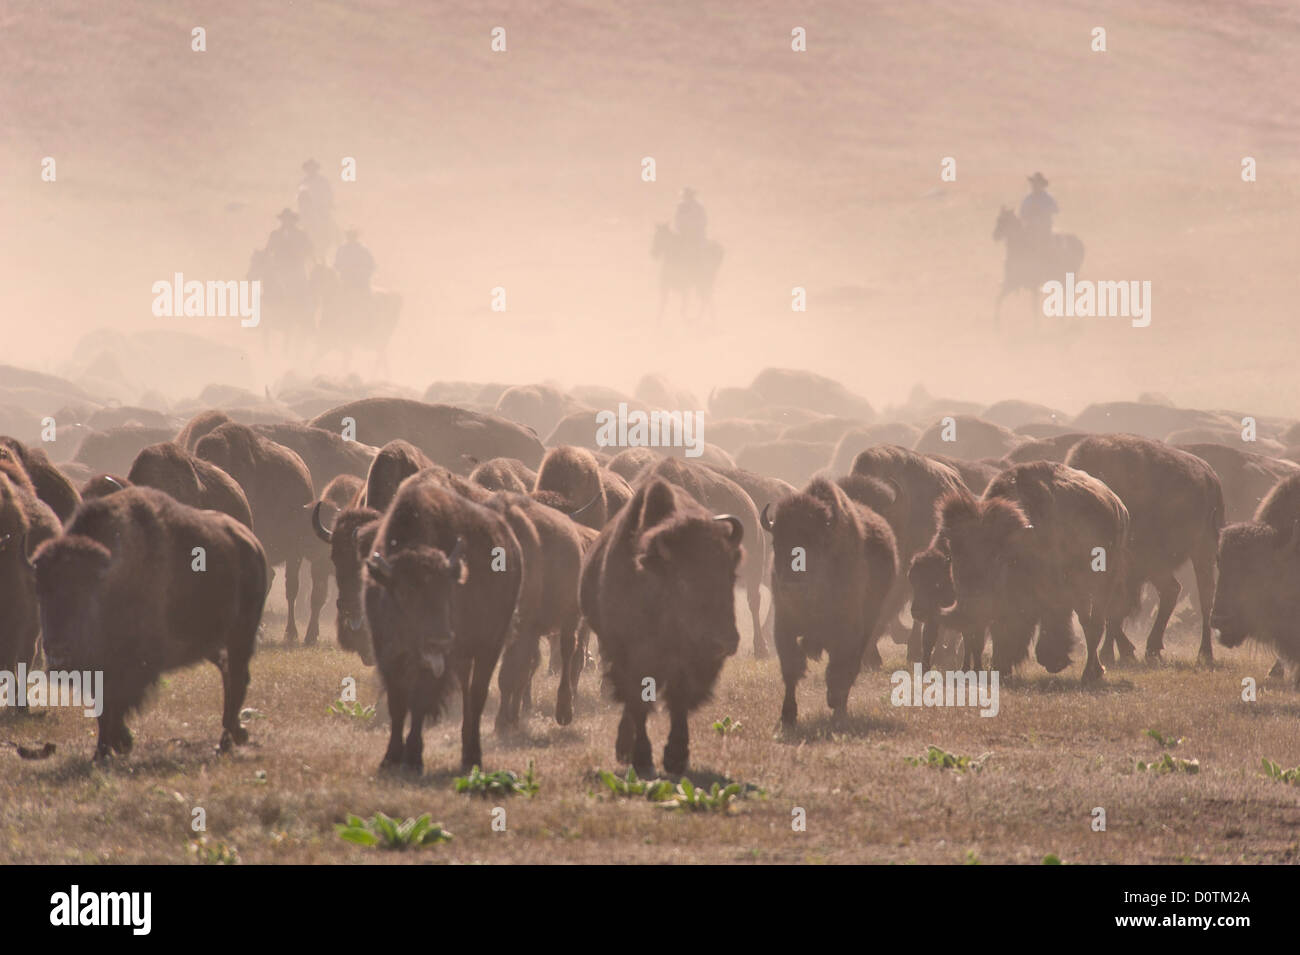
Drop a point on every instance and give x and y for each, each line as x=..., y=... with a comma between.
x=1176, y=505
x=967, y=437
x=26, y=522
x=190, y=480
x=128, y=591
x=114, y=450
x=551, y=546
x=52, y=485
x=396, y=461
x=504, y=474
x=278, y=487
x=326, y=453
x=834, y=563
x=574, y=477
x=920, y=484
x=441, y=586
x=1246, y=476
x=723, y=496
x=452, y=437
x=657, y=589
x=1044, y=543
x=1259, y=577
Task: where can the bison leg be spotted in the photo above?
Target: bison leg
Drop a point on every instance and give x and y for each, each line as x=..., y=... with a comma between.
x=842, y=666
x=471, y=743
x=793, y=665
x=929, y=637
x=633, y=743
x=916, y=644
x=235, y=680
x=1278, y=671
x=1168, y=588
x=677, y=749
x=1094, y=625
x=1011, y=643
x=1055, y=634
x=1203, y=565
x=320, y=578
x=1115, y=637
x=413, y=751
x=397, y=708
x=113, y=734
x=568, y=644
x=754, y=596
x=626, y=737
x=510, y=681
x=973, y=649
x=291, y=568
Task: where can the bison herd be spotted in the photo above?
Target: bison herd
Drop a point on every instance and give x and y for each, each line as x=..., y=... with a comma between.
x=465, y=529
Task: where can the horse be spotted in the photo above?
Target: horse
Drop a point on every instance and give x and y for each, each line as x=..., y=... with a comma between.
x=286, y=300
x=346, y=321
x=1028, y=265
x=685, y=268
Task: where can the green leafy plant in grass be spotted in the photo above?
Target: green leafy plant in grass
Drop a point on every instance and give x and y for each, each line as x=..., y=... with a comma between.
x=1274, y=771
x=1169, y=764
x=628, y=786
x=354, y=710
x=717, y=798
x=212, y=852
x=938, y=758
x=502, y=782
x=726, y=726
x=1168, y=742
x=1052, y=859
x=387, y=833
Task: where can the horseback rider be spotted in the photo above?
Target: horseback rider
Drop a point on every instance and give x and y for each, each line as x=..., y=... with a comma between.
x=355, y=266
x=1036, y=211
x=316, y=205
x=289, y=249
x=690, y=222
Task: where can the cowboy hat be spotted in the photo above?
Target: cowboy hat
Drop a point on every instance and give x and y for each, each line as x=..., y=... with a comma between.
x=310, y=165
x=288, y=215
x=1037, y=179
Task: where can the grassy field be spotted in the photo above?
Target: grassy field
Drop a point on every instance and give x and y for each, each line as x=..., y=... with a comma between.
x=1054, y=752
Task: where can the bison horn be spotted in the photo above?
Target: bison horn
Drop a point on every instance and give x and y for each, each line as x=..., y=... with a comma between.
x=737, y=528
x=457, y=556
x=587, y=505
x=321, y=531
x=379, y=566
x=115, y=482
x=22, y=549
x=766, y=517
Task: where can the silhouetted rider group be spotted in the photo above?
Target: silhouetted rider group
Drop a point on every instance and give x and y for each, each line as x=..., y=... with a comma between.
x=302, y=242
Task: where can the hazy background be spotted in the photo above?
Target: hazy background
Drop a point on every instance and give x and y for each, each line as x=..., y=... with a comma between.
x=819, y=169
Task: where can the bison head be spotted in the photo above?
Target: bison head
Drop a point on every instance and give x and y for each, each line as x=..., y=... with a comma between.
x=931, y=578
x=804, y=521
x=351, y=539
x=1258, y=565
x=416, y=589
x=991, y=544
x=691, y=566
x=70, y=572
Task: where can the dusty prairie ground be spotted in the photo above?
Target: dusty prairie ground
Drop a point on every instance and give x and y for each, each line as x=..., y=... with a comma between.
x=1055, y=752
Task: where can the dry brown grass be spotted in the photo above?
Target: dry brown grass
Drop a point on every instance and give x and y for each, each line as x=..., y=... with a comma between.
x=1056, y=752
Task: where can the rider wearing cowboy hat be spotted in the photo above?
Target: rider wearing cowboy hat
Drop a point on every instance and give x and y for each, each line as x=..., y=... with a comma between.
x=689, y=220
x=1037, y=209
